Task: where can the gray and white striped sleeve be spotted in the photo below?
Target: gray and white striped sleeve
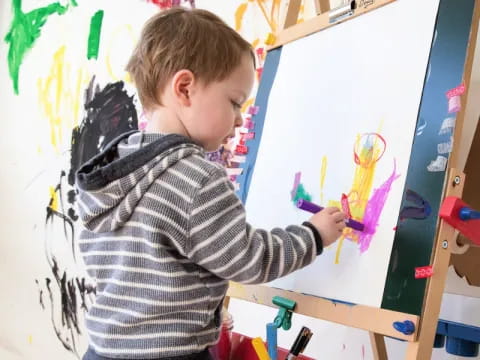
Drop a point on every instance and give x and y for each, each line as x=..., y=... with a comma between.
x=220, y=240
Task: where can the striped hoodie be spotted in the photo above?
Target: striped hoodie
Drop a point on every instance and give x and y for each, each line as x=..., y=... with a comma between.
x=163, y=233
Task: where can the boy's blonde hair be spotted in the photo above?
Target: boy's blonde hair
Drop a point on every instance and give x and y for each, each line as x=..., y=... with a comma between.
x=178, y=39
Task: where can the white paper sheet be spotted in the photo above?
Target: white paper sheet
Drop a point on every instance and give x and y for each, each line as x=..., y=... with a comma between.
x=331, y=89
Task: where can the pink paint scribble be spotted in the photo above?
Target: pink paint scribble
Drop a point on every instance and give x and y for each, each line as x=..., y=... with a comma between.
x=373, y=210
x=296, y=182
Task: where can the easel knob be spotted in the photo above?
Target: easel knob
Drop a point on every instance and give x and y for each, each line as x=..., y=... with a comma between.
x=405, y=327
x=469, y=214
x=284, y=316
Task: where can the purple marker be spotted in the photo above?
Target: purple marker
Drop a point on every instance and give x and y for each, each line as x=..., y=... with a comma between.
x=313, y=208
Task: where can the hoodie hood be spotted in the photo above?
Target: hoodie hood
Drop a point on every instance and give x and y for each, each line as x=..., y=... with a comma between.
x=112, y=183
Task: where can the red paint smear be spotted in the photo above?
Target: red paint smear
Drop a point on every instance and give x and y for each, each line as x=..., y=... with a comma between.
x=374, y=209
x=395, y=228
x=346, y=206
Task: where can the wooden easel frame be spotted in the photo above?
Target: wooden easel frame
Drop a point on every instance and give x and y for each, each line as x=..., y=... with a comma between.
x=378, y=321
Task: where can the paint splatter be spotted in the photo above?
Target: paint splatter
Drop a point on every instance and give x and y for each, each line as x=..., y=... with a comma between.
x=109, y=113
x=59, y=96
x=67, y=330
x=25, y=29
x=367, y=151
x=298, y=190
x=420, y=211
x=167, y=4
x=374, y=209
x=301, y=194
x=358, y=203
x=94, y=35
x=61, y=285
x=40, y=295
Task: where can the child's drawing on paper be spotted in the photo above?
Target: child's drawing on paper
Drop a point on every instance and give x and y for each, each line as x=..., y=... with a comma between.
x=362, y=202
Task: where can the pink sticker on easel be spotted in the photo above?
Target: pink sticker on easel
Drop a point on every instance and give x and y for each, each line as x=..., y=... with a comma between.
x=454, y=100
x=249, y=124
x=454, y=104
x=248, y=135
x=459, y=90
x=253, y=110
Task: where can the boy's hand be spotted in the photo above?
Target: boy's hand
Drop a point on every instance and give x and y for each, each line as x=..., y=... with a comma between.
x=330, y=223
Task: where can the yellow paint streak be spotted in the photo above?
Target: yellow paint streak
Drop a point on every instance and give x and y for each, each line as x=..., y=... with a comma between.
x=247, y=104
x=364, y=175
x=117, y=35
x=334, y=203
x=60, y=102
x=301, y=13
x=339, y=249
x=323, y=173
x=362, y=183
x=239, y=14
x=30, y=339
x=53, y=199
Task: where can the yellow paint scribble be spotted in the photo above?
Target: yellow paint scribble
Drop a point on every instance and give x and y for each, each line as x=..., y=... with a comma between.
x=59, y=101
x=368, y=149
x=247, y=103
x=53, y=199
x=323, y=173
x=119, y=37
x=334, y=203
x=30, y=339
x=239, y=14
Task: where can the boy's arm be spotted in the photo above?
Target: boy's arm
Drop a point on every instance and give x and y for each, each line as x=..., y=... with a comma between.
x=220, y=240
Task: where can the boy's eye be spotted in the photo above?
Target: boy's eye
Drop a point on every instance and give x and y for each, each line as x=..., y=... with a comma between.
x=235, y=104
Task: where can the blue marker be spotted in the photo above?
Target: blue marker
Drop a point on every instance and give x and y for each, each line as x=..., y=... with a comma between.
x=272, y=340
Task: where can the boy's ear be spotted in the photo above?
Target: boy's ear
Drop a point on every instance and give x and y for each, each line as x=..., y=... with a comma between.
x=182, y=85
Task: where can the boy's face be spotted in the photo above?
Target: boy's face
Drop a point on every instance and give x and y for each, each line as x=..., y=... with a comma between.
x=215, y=109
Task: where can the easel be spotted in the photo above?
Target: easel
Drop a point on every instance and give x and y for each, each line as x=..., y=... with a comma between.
x=377, y=321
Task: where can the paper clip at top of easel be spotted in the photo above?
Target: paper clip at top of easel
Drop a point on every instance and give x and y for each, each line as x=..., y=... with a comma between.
x=462, y=217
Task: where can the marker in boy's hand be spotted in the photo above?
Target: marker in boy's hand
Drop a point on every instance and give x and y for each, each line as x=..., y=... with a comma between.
x=330, y=223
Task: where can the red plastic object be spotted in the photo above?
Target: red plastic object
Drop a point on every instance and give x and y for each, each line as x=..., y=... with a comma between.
x=423, y=272
x=242, y=349
x=450, y=212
